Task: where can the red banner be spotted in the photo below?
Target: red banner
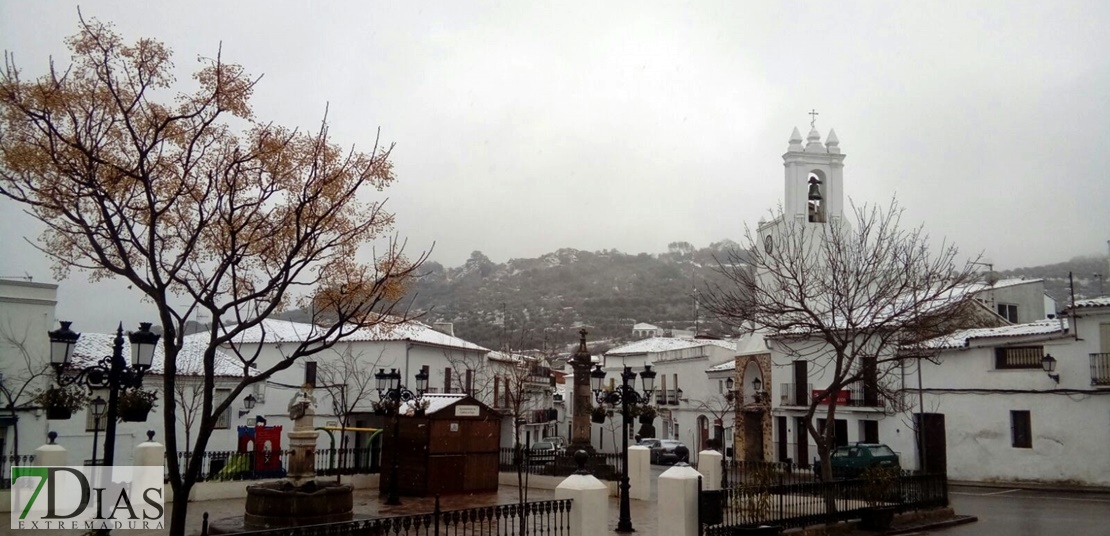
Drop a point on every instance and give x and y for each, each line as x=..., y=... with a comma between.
x=842, y=397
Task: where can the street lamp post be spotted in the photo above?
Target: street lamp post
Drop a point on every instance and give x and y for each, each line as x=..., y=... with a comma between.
x=112, y=372
x=98, y=406
x=392, y=394
x=625, y=394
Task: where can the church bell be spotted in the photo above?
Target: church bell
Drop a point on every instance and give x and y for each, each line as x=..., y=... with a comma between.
x=814, y=190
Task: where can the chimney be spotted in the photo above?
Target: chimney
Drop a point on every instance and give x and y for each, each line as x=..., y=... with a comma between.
x=445, y=327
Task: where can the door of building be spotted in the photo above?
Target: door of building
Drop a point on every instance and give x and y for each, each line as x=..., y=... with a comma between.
x=933, y=452
x=753, y=436
x=780, y=439
x=801, y=441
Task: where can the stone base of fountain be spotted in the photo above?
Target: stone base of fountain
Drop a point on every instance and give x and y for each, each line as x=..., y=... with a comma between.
x=275, y=505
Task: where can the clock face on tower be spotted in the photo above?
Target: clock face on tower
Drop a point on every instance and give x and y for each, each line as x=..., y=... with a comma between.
x=768, y=244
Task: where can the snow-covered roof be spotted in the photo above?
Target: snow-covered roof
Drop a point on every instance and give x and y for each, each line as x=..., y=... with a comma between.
x=895, y=311
x=666, y=344
x=963, y=338
x=1002, y=283
x=723, y=367
x=645, y=325
x=507, y=358
x=436, y=402
x=1103, y=301
x=91, y=347
x=276, y=331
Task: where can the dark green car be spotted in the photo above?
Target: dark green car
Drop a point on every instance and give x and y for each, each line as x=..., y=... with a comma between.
x=850, y=461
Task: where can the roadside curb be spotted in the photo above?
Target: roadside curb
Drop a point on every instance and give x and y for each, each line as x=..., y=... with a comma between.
x=958, y=520
x=1029, y=486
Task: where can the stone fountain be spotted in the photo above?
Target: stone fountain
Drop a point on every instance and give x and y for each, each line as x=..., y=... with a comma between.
x=299, y=499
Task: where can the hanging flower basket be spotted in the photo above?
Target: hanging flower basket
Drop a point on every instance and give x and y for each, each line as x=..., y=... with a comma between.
x=598, y=415
x=58, y=413
x=647, y=415
x=61, y=402
x=135, y=404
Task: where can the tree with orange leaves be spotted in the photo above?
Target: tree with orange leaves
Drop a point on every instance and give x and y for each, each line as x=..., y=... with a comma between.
x=194, y=200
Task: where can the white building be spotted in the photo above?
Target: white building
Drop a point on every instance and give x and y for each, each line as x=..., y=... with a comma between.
x=797, y=367
x=686, y=397
x=26, y=314
x=77, y=433
x=453, y=365
x=642, y=330
x=409, y=348
x=992, y=413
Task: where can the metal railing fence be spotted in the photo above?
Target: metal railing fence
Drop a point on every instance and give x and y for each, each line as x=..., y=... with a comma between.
x=547, y=518
x=232, y=465
x=811, y=503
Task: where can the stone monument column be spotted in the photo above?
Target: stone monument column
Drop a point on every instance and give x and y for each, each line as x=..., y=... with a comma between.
x=583, y=399
x=302, y=440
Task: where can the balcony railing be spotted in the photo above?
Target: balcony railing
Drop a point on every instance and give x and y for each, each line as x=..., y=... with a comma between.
x=852, y=395
x=790, y=396
x=858, y=396
x=1100, y=369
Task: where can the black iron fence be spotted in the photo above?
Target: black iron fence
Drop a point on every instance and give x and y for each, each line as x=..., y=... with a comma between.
x=739, y=473
x=559, y=462
x=7, y=462
x=547, y=518
x=259, y=465
x=810, y=503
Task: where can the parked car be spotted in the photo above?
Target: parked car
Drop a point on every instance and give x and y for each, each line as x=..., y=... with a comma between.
x=559, y=442
x=662, y=450
x=850, y=461
x=541, y=453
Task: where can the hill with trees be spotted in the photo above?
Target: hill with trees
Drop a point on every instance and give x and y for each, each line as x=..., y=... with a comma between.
x=541, y=303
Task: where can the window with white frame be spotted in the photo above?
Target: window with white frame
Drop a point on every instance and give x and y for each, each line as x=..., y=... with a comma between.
x=1009, y=312
x=223, y=422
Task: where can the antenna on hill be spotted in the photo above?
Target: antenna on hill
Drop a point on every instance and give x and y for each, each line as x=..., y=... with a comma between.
x=697, y=311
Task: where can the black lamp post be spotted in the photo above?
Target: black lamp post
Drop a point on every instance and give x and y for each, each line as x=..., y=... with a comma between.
x=624, y=395
x=98, y=406
x=392, y=394
x=112, y=372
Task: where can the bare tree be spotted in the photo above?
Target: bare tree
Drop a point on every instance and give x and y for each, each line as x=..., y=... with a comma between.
x=188, y=394
x=517, y=380
x=723, y=409
x=200, y=206
x=845, y=296
x=347, y=381
x=20, y=378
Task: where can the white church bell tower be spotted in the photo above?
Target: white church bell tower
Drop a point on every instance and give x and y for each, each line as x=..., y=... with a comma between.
x=814, y=177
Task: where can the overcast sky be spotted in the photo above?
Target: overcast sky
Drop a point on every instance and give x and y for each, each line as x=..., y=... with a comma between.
x=524, y=127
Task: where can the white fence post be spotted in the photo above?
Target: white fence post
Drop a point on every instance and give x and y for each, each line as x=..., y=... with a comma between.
x=51, y=454
x=678, y=501
x=589, y=513
x=152, y=454
x=639, y=473
x=709, y=464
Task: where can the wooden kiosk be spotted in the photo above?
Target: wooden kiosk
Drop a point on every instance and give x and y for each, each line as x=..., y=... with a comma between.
x=452, y=447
